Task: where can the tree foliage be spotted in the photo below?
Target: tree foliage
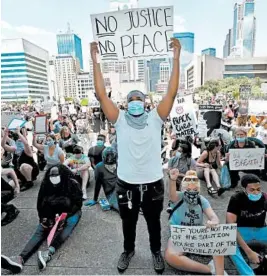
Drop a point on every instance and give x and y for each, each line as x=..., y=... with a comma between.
x=231, y=85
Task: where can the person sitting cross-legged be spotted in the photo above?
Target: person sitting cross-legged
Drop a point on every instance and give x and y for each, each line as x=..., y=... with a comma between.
x=59, y=193
x=106, y=176
x=188, y=201
x=248, y=208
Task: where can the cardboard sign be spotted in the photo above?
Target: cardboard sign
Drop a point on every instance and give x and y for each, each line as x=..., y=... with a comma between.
x=183, y=117
x=40, y=124
x=136, y=33
x=209, y=119
x=257, y=107
x=14, y=123
x=244, y=92
x=220, y=240
x=247, y=159
x=8, y=116
x=72, y=109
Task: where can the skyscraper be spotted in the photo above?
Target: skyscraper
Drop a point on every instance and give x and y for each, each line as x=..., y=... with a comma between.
x=24, y=71
x=209, y=52
x=70, y=44
x=244, y=29
x=228, y=44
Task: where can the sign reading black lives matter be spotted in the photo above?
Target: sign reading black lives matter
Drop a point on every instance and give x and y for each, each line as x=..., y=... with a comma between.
x=136, y=33
x=202, y=240
x=183, y=117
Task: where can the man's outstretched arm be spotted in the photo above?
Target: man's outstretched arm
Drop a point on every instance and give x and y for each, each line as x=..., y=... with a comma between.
x=109, y=108
x=165, y=106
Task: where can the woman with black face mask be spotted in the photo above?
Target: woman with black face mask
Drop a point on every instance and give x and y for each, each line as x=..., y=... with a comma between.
x=59, y=193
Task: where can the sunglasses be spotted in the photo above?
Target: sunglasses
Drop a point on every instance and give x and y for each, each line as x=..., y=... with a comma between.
x=191, y=179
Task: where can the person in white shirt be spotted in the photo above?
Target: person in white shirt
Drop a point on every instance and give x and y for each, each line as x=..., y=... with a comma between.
x=139, y=168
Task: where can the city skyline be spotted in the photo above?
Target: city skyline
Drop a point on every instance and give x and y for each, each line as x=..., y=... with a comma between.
x=39, y=30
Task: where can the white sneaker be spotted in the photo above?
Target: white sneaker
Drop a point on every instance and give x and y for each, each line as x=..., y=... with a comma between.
x=212, y=268
x=84, y=195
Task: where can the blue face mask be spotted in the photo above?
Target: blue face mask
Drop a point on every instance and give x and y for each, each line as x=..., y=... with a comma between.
x=100, y=143
x=50, y=143
x=241, y=139
x=253, y=197
x=136, y=107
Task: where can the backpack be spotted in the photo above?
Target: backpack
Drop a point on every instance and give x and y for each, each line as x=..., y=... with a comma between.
x=181, y=202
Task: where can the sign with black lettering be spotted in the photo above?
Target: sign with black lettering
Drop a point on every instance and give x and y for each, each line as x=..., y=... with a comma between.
x=8, y=116
x=246, y=159
x=202, y=240
x=135, y=33
x=209, y=119
x=183, y=117
x=244, y=91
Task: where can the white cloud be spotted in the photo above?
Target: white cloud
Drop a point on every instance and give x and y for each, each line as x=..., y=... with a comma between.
x=179, y=24
x=26, y=30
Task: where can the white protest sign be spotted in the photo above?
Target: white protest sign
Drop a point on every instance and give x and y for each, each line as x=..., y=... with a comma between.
x=257, y=107
x=40, y=125
x=84, y=109
x=48, y=106
x=7, y=116
x=183, y=117
x=220, y=240
x=72, y=109
x=209, y=118
x=16, y=123
x=247, y=159
x=135, y=33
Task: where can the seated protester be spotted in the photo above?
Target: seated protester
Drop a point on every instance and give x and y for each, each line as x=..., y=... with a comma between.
x=106, y=177
x=6, y=160
x=24, y=165
x=248, y=209
x=188, y=201
x=79, y=164
x=240, y=142
x=95, y=152
x=183, y=162
x=59, y=193
x=53, y=154
x=207, y=165
x=68, y=140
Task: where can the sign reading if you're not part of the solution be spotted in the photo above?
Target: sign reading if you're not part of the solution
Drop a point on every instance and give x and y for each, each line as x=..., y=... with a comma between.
x=246, y=159
x=219, y=240
x=136, y=33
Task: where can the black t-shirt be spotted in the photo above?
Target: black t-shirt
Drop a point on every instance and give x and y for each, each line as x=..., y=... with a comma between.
x=249, y=213
x=96, y=153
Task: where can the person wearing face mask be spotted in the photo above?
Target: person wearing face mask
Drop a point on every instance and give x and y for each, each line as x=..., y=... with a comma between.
x=189, y=201
x=68, y=140
x=53, y=154
x=24, y=165
x=240, y=142
x=248, y=209
x=59, y=193
x=95, y=152
x=207, y=165
x=106, y=177
x=79, y=164
x=140, y=176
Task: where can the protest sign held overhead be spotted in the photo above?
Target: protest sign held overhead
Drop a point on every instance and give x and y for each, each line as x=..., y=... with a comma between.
x=183, y=117
x=247, y=159
x=244, y=92
x=40, y=124
x=136, y=33
x=8, y=116
x=209, y=119
x=257, y=107
x=219, y=240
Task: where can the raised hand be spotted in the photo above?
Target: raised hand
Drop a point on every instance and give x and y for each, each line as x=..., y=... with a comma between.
x=94, y=51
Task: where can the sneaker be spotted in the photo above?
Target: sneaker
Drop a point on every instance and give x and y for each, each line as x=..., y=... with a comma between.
x=158, y=262
x=211, y=265
x=43, y=258
x=84, y=195
x=10, y=217
x=13, y=264
x=124, y=261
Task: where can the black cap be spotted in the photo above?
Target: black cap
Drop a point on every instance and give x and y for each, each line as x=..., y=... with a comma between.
x=54, y=171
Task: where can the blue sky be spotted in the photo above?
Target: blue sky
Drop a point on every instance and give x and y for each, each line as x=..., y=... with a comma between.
x=40, y=20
